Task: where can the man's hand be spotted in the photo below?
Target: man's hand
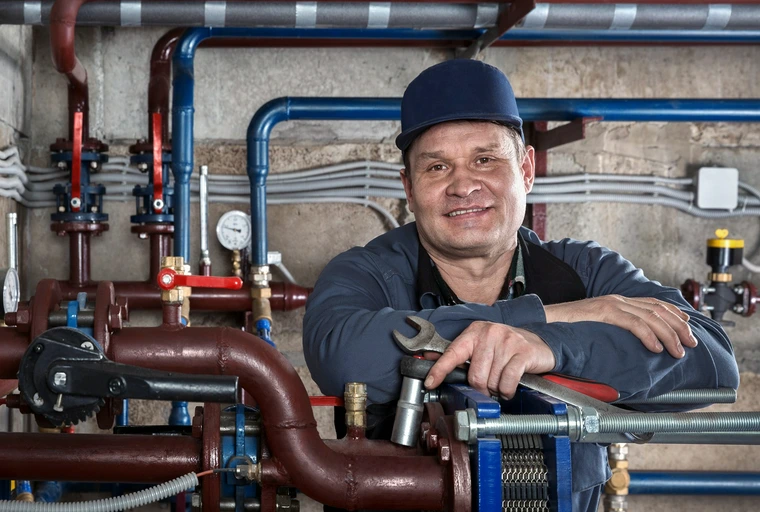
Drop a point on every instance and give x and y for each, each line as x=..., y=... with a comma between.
x=499, y=355
x=654, y=322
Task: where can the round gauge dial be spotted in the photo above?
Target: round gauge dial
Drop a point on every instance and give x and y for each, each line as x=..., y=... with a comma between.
x=11, y=291
x=234, y=230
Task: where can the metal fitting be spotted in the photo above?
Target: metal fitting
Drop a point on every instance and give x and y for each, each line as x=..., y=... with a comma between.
x=466, y=425
x=739, y=289
x=722, y=277
x=76, y=202
x=618, y=451
x=615, y=504
x=250, y=472
x=355, y=400
x=142, y=166
x=260, y=277
x=406, y=426
x=261, y=309
x=196, y=501
x=93, y=165
x=180, y=293
x=118, y=314
x=158, y=205
x=738, y=309
x=61, y=165
x=261, y=293
x=620, y=479
x=60, y=378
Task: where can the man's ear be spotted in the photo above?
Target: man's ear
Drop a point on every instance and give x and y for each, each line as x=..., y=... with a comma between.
x=528, y=168
x=407, y=182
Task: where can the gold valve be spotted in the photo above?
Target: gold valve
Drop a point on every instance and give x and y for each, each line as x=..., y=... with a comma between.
x=618, y=483
x=179, y=294
x=355, y=400
x=237, y=267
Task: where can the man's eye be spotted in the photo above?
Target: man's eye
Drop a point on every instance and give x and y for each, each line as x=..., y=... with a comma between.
x=436, y=167
x=485, y=160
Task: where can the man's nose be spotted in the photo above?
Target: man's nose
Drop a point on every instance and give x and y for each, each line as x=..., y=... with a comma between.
x=463, y=182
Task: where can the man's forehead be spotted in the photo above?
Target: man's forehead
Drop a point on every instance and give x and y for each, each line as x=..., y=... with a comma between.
x=470, y=135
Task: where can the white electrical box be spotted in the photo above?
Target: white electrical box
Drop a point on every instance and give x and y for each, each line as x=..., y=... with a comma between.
x=718, y=188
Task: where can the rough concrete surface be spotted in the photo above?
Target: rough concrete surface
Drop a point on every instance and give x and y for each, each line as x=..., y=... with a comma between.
x=231, y=84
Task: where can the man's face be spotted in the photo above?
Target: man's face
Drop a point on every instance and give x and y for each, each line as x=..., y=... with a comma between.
x=467, y=188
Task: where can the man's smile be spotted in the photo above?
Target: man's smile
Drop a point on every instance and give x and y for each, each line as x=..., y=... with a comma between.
x=466, y=211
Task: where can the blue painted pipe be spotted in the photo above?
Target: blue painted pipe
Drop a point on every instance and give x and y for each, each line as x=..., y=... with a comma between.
x=694, y=482
x=284, y=109
x=264, y=120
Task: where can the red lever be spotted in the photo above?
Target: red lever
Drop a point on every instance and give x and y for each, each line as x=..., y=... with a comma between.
x=158, y=168
x=76, y=164
x=590, y=388
x=169, y=279
x=326, y=401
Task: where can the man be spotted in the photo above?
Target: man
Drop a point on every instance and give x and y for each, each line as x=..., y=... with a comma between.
x=512, y=303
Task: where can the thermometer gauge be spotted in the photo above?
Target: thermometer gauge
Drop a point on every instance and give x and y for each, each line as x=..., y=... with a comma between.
x=234, y=230
x=11, y=291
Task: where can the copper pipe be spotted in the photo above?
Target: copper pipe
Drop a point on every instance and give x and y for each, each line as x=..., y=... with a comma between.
x=147, y=295
x=79, y=258
x=98, y=457
x=63, y=18
x=329, y=477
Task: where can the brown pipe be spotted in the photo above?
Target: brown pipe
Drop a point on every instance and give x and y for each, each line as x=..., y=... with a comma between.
x=63, y=18
x=160, y=247
x=146, y=295
x=79, y=258
x=98, y=457
x=13, y=344
x=332, y=478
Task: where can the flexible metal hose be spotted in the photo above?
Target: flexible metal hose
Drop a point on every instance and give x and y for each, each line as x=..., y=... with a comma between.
x=128, y=501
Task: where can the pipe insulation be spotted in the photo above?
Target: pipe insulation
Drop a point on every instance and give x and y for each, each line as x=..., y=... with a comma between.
x=383, y=15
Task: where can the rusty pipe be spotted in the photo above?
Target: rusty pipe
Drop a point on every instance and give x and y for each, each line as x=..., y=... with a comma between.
x=332, y=478
x=63, y=18
x=98, y=457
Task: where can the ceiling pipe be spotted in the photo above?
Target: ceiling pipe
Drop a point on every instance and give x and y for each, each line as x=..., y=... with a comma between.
x=694, y=15
x=63, y=16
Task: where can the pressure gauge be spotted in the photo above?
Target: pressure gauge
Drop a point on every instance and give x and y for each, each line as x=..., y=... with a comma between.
x=11, y=291
x=234, y=230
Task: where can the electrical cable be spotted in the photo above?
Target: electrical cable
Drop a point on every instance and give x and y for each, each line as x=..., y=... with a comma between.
x=114, y=504
x=755, y=269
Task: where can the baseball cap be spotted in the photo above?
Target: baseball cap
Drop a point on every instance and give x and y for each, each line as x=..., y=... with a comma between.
x=455, y=90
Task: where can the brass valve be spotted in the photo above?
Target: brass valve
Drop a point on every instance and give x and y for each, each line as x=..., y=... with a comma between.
x=355, y=402
x=175, y=294
x=618, y=483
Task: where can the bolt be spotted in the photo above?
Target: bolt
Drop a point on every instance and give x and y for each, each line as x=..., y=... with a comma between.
x=432, y=441
x=59, y=379
x=38, y=401
x=61, y=209
x=115, y=387
x=444, y=451
x=93, y=165
x=158, y=205
x=739, y=289
x=142, y=236
x=115, y=317
x=87, y=345
x=58, y=406
x=94, y=209
x=166, y=279
x=62, y=165
x=196, y=500
x=142, y=166
x=738, y=309
x=76, y=202
x=38, y=348
x=23, y=318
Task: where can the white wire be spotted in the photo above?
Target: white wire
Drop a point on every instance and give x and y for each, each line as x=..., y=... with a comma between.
x=755, y=269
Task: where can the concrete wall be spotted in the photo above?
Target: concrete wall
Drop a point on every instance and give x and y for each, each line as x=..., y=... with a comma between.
x=231, y=84
x=15, y=123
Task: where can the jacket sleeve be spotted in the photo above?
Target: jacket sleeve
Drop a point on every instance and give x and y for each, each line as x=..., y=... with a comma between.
x=616, y=357
x=354, y=308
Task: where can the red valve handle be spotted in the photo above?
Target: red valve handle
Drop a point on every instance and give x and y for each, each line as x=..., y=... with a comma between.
x=169, y=279
x=158, y=170
x=76, y=163
x=326, y=401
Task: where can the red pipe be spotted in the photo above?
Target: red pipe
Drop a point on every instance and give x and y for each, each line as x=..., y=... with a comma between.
x=13, y=344
x=63, y=18
x=98, y=457
x=332, y=478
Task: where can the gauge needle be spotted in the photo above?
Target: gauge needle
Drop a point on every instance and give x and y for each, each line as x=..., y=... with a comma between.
x=233, y=229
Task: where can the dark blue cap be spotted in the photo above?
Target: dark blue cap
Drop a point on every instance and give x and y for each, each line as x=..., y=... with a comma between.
x=459, y=89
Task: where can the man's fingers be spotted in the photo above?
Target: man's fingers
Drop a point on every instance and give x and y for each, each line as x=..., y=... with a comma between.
x=481, y=365
x=639, y=328
x=457, y=353
x=511, y=375
x=663, y=324
x=677, y=319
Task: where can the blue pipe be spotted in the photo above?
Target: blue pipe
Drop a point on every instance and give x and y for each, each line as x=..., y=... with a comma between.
x=284, y=109
x=183, y=111
x=694, y=482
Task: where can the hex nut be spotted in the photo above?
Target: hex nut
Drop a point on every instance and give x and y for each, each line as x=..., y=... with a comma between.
x=444, y=451
x=462, y=425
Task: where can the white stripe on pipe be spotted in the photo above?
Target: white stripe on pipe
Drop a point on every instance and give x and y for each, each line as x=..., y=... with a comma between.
x=625, y=15
x=718, y=17
x=486, y=15
x=130, y=13
x=213, y=14
x=306, y=14
x=536, y=18
x=379, y=15
x=32, y=13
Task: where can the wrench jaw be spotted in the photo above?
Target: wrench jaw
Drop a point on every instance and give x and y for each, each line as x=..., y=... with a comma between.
x=404, y=343
x=418, y=343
